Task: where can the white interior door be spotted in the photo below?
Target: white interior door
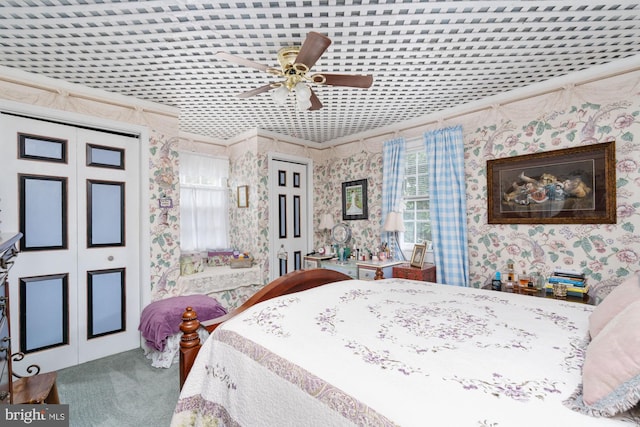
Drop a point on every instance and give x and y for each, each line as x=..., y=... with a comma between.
x=290, y=216
x=73, y=193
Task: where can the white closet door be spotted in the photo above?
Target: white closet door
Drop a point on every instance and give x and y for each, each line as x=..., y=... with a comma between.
x=74, y=193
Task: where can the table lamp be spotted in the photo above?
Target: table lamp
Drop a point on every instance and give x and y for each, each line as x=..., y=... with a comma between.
x=326, y=223
x=393, y=224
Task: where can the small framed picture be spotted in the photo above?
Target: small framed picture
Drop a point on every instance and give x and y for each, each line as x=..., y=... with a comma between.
x=354, y=200
x=165, y=203
x=243, y=196
x=417, y=258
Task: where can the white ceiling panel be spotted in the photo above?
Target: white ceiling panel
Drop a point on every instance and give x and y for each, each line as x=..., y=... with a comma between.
x=425, y=56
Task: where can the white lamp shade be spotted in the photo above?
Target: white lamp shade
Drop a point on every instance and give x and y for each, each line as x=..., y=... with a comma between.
x=303, y=96
x=326, y=222
x=280, y=95
x=304, y=105
x=394, y=222
x=303, y=92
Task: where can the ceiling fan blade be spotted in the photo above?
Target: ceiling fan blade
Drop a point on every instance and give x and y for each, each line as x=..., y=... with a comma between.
x=348, y=80
x=241, y=61
x=313, y=47
x=315, y=102
x=255, y=91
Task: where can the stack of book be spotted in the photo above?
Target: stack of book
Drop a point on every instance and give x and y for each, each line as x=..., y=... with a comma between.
x=576, y=281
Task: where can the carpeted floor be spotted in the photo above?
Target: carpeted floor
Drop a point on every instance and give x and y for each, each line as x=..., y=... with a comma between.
x=121, y=390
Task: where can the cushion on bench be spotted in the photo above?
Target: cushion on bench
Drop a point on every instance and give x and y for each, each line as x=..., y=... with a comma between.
x=162, y=318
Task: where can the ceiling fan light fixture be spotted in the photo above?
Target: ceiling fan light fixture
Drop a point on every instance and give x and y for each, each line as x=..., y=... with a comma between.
x=295, y=64
x=303, y=96
x=303, y=105
x=287, y=56
x=280, y=95
x=302, y=91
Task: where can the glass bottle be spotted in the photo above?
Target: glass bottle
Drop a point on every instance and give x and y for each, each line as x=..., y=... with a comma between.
x=524, y=280
x=496, y=283
x=511, y=273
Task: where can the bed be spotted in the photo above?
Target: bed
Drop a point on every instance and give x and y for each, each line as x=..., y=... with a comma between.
x=393, y=352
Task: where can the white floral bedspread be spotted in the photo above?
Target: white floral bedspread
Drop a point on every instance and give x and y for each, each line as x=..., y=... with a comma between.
x=393, y=352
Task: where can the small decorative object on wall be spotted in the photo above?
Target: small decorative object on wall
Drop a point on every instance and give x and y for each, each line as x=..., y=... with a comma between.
x=417, y=258
x=165, y=203
x=569, y=186
x=354, y=200
x=243, y=196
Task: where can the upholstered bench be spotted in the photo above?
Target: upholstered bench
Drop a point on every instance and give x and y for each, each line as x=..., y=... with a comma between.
x=160, y=324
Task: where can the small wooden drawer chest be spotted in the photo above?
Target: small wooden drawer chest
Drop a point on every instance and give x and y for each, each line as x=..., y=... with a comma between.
x=405, y=271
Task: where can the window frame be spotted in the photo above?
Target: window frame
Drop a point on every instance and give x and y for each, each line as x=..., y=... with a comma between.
x=414, y=148
x=204, y=185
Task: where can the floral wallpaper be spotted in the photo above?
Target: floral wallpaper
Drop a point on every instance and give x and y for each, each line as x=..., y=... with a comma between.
x=606, y=253
x=164, y=182
x=329, y=174
x=600, y=111
x=248, y=227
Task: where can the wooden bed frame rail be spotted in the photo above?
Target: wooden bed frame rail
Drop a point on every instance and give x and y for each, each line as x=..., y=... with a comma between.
x=296, y=281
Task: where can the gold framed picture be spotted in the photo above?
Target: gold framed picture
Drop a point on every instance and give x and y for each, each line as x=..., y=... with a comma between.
x=243, y=196
x=568, y=186
x=417, y=258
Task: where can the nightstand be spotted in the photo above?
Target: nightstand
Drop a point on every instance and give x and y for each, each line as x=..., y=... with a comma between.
x=405, y=271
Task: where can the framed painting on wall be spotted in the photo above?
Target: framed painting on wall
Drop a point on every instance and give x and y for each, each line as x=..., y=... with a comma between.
x=569, y=186
x=354, y=200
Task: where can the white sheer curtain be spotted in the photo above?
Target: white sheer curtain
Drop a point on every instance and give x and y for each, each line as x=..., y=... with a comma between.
x=204, y=202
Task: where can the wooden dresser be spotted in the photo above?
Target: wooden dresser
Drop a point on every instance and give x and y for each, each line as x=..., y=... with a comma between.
x=8, y=252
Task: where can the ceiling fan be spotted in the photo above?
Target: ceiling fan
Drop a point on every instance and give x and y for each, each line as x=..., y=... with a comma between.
x=295, y=63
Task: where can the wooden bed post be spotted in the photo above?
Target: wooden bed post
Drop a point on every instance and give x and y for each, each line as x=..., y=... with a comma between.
x=189, y=342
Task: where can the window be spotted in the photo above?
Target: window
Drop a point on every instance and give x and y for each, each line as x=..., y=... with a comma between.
x=416, y=200
x=204, y=206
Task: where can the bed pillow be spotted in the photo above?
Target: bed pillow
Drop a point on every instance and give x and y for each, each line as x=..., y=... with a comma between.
x=620, y=297
x=611, y=370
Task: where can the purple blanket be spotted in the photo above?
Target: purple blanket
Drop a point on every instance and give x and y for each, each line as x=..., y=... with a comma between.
x=161, y=319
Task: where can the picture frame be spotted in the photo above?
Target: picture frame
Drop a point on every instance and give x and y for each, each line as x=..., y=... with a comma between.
x=568, y=186
x=243, y=196
x=417, y=257
x=354, y=200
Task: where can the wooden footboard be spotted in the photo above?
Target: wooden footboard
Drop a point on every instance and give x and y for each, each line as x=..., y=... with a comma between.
x=295, y=281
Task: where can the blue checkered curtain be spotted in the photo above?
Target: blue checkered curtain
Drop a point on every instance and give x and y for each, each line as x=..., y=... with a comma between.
x=447, y=204
x=393, y=154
